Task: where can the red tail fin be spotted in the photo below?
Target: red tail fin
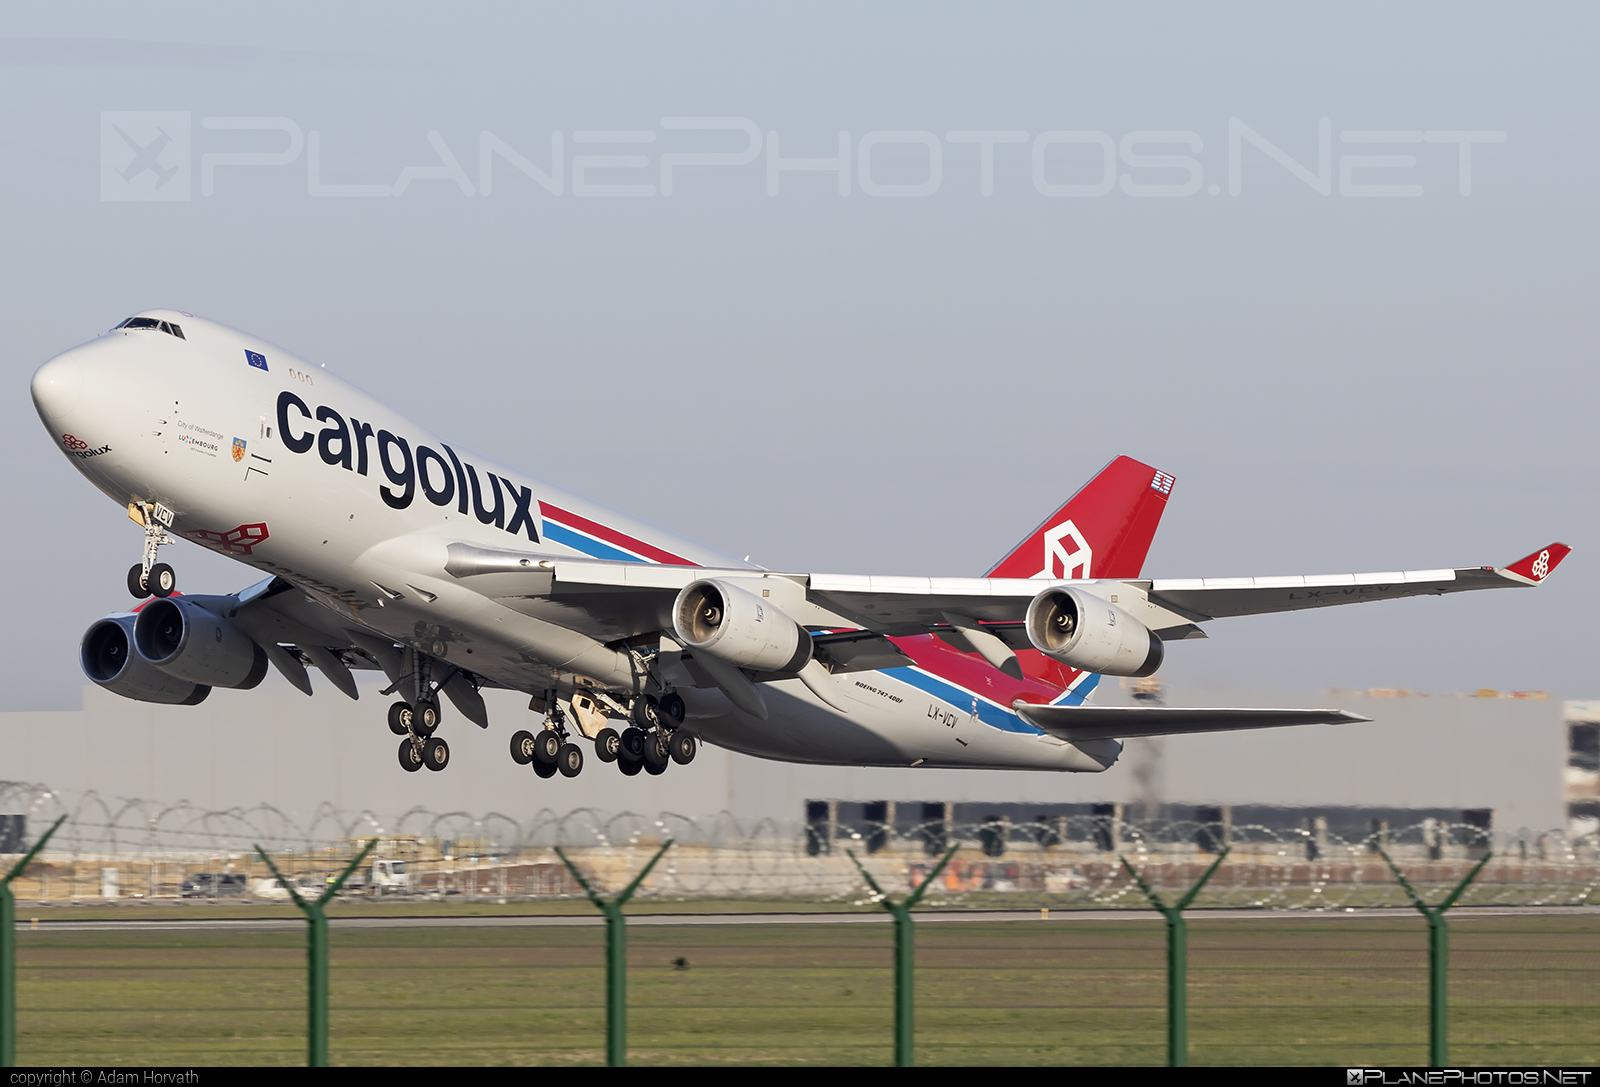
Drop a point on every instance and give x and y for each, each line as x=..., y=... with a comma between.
x=1103, y=531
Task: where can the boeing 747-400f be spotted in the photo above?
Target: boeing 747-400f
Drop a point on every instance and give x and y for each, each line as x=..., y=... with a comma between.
x=383, y=546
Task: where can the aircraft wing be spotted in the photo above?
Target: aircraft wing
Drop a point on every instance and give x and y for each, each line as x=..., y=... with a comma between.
x=1216, y=598
x=902, y=605
x=295, y=631
x=619, y=599
x=1089, y=722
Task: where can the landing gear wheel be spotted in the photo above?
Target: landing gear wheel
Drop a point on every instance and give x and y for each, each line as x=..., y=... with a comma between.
x=655, y=771
x=646, y=712
x=522, y=747
x=425, y=718
x=655, y=750
x=607, y=745
x=544, y=769
x=435, y=754
x=570, y=760
x=681, y=747
x=630, y=747
x=672, y=711
x=136, y=581
x=629, y=767
x=400, y=719
x=547, y=746
x=410, y=756
x=161, y=580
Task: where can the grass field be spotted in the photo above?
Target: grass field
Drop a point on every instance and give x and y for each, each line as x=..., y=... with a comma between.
x=1334, y=991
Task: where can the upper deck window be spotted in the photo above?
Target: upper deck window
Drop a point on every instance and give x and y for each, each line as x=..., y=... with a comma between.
x=150, y=322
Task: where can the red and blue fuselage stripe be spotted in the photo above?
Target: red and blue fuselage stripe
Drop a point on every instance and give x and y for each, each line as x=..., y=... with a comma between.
x=600, y=542
x=989, y=712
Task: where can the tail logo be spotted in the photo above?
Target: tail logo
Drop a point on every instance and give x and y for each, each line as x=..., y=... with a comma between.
x=1074, y=564
x=1541, y=565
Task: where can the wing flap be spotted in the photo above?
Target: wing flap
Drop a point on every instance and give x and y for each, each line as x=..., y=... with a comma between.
x=1073, y=723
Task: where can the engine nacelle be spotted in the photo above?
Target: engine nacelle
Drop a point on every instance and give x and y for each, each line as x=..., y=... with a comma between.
x=107, y=657
x=1085, y=632
x=739, y=627
x=185, y=640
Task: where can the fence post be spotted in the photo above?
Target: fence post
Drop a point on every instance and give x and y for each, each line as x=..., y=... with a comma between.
x=317, y=955
x=8, y=952
x=1438, y=958
x=904, y=958
x=616, y=956
x=1177, y=960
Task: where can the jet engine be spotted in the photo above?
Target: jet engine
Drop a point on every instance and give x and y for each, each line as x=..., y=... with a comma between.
x=738, y=627
x=1085, y=632
x=185, y=640
x=107, y=657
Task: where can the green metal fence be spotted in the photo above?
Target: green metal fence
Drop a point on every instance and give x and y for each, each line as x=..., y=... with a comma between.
x=1317, y=969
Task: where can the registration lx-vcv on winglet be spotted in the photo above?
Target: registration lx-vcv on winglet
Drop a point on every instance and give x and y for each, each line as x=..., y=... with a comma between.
x=387, y=547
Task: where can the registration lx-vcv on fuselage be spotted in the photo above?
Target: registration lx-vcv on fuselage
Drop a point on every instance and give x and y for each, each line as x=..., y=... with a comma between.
x=386, y=546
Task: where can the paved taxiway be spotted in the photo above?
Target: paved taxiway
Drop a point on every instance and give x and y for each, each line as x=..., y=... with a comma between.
x=269, y=924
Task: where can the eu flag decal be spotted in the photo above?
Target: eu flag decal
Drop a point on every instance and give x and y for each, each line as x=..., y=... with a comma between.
x=257, y=360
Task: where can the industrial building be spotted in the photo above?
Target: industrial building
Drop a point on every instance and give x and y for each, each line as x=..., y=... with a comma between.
x=1530, y=762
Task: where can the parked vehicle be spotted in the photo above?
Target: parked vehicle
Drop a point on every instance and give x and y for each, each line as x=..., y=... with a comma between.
x=274, y=888
x=382, y=877
x=213, y=885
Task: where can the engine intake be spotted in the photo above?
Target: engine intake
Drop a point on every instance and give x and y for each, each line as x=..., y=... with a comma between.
x=1094, y=635
x=185, y=640
x=108, y=659
x=739, y=627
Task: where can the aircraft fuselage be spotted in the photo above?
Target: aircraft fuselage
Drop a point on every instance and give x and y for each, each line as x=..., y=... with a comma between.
x=284, y=467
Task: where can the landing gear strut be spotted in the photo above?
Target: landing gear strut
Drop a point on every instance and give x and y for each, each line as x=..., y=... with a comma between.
x=149, y=577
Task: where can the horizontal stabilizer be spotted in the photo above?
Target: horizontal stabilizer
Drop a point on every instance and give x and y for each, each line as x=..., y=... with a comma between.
x=1073, y=723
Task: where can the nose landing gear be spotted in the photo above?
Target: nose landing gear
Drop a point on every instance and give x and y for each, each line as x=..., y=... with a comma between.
x=149, y=577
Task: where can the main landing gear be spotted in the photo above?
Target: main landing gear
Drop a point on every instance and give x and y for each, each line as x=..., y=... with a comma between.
x=420, y=747
x=649, y=743
x=149, y=577
x=653, y=741
x=549, y=751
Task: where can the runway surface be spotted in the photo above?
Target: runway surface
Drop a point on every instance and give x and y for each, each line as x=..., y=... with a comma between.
x=269, y=924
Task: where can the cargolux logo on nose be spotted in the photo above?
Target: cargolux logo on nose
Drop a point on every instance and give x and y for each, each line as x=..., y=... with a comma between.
x=79, y=448
x=144, y=156
x=1059, y=561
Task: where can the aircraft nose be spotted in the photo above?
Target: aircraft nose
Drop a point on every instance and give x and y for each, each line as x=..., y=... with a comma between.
x=57, y=388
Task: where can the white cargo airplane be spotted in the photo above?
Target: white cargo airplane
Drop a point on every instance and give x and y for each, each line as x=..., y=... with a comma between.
x=386, y=547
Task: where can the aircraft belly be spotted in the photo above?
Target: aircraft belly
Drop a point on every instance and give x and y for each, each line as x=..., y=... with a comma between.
x=799, y=728
x=889, y=723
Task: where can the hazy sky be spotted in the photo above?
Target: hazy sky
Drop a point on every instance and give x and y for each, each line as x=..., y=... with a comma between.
x=903, y=379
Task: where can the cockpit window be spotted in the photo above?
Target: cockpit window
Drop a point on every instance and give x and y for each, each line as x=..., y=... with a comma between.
x=150, y=322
